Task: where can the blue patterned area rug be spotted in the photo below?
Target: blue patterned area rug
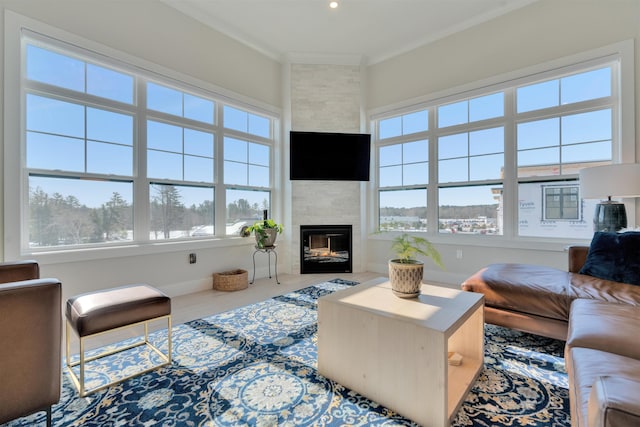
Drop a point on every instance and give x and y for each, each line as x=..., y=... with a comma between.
x=256, y=366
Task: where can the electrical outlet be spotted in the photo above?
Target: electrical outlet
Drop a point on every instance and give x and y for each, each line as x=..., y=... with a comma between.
x=192, y=258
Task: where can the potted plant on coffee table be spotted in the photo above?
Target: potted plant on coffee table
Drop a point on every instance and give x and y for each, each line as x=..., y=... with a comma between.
x=405, y=271
x=266, y=232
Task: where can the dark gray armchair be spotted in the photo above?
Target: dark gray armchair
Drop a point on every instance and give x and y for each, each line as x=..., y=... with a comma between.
x=30, y=341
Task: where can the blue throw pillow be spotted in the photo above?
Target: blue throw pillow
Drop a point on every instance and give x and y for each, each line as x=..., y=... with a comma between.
x=614, y=256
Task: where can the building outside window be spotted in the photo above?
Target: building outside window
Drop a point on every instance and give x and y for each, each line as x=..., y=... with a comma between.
x=561, y=203
x=505, y=159
x=114, y=154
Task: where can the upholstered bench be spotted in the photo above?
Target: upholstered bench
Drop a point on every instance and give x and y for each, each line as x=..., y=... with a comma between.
x=95, y=313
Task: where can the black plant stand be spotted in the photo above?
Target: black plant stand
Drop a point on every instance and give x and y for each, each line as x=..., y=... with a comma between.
x=268, y=250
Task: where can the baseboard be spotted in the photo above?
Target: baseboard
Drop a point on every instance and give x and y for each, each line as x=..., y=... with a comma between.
x=189, y=287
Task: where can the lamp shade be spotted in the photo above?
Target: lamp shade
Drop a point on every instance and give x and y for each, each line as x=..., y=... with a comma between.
x=617, y=180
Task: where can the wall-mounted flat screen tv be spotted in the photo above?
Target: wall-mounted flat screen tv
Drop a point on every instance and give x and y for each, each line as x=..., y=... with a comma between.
x=329, y=156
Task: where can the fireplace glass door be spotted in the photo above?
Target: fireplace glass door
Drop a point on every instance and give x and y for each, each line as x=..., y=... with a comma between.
x=325, y=249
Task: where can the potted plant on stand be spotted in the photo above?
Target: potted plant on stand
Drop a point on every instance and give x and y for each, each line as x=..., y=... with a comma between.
x=405, y=271
x=266, y=232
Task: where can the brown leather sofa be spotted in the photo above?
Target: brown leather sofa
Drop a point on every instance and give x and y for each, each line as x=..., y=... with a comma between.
x=599, y=320
x=30, y=341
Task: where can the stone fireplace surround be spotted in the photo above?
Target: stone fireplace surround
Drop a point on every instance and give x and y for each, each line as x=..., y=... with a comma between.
x=326, y=98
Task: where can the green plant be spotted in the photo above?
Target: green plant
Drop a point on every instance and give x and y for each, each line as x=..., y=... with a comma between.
x=260, y=227
x=407, y=246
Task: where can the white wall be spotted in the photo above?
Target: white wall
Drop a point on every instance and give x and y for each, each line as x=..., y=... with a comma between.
x=150, y=30
x=539, y=33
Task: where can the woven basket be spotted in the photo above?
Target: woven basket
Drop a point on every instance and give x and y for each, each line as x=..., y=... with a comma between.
x=234, y=280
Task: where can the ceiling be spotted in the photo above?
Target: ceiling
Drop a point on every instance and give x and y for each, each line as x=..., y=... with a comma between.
x=367, y=31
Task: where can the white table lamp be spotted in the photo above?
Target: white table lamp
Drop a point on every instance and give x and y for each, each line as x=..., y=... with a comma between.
x=604, y=182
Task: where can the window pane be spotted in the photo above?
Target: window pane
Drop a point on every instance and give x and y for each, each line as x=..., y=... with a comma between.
x=593, y=152
x=561, y=202
x=534, y=220
x=260, y=126
x=407, y=162
x=486, y=167
x=236, y=173
x=200, y=109
x=244, y=207
x=198, y=169
x=539, y=133
x=403, y=210
x=65, y=212
x=486, y=107
x=390, y=155
x=161, y=136
x=486, y=141
x=236, y=150
x=390, y=176
x=390, y=127
x=164, y=99
x=258, y=176
x=417, y=151
x=198, y=143
x=259, y=154
x=107, y=126
x=235, y=119
x=586, y=127
x=246, y=122
x=548, y=158
x=55, y=69
x=454, y=170
x=55, y=152
x=453, y=114
x=180, y=211
x=109, y=159
x=585, y=86
x=470, y=210
x=53, y=116
x=109, y=84
x=453, y=146
x=163, y=165
x=415, y=122
x=538, y=96
x=415, y=173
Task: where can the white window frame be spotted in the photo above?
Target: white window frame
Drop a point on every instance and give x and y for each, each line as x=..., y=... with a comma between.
x=623, y=138
x=16, y=197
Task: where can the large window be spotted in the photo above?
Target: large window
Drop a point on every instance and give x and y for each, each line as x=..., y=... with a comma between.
x=504, y=160
x=115, y=155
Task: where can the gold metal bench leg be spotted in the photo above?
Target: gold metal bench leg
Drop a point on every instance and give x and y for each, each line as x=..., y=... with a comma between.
x=80, y=382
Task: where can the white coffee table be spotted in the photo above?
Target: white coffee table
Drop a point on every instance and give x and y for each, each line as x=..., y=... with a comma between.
x=394, y=350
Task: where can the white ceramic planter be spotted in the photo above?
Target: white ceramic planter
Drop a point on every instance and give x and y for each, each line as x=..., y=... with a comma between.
x=406, y=278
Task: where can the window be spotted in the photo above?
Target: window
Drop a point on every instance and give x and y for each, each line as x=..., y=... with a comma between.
x=562, y=125
x=96, y=156
x=561, y=202
x=403, y=175
x=507, y=157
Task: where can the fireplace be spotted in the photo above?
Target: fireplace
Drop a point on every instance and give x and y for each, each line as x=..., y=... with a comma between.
x=325, y=249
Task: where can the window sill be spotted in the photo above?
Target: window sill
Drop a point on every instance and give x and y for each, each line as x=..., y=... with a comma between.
x=498, y=242
x=133, y=249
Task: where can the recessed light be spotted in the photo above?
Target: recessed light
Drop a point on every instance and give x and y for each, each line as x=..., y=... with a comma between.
x=333, y=4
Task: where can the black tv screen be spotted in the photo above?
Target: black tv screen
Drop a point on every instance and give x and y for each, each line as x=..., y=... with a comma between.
x=329, y=156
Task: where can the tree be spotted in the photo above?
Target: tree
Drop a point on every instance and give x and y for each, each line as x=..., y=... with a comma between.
x=109, y=219
x=167, y=210
x=40, y=219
